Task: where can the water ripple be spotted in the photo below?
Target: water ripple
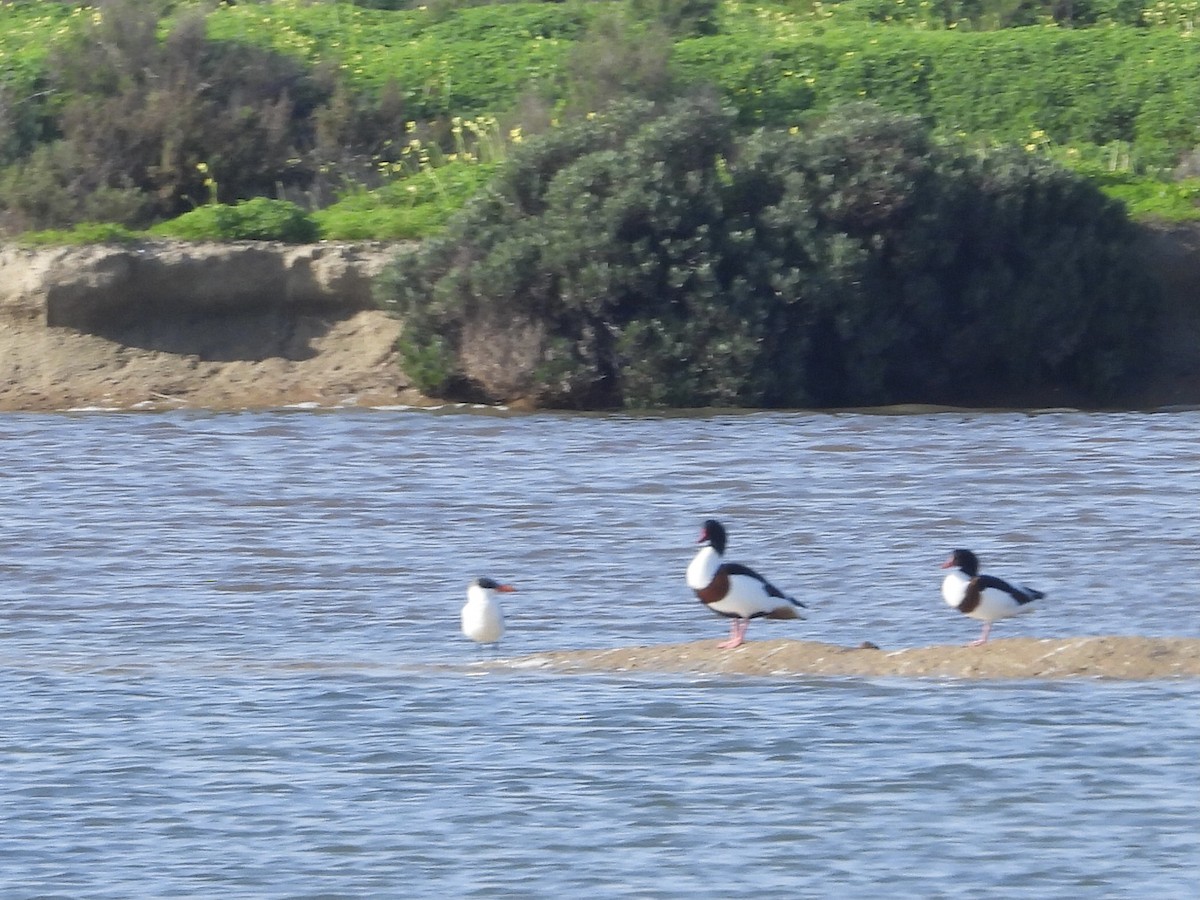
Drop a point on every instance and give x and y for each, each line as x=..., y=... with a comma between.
x=229, y=660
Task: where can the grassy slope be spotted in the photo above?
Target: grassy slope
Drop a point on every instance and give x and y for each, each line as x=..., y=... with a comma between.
x=1108, y=100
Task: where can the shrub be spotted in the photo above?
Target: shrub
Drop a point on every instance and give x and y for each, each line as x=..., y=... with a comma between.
x=618, y=58
x=679, y=17
x=54, y=189
x=259, y=219
x=659, y=260
x=140, y=113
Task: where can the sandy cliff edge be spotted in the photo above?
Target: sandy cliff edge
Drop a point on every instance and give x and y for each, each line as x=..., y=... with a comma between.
x=212, y=326
x=1126, y=658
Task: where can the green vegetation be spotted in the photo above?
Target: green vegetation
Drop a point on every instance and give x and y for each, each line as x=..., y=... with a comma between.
x=1084, y=88
x=82, y=234
x=259, y=219
x=641, y=259
x=1172, y=200
x=108, y=109
x=406, y=208
x=963, y=238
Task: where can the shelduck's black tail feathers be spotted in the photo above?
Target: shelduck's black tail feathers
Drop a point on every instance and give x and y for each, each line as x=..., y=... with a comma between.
x=1018, y=592
x=772, y=591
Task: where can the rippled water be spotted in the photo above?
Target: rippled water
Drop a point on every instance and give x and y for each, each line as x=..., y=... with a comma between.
x=230, y=665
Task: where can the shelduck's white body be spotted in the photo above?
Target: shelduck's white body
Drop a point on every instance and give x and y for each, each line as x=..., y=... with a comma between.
x=733, y=590
x=983, y=597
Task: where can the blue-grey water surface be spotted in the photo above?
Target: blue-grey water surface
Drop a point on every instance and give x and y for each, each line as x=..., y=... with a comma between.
x=230, y=663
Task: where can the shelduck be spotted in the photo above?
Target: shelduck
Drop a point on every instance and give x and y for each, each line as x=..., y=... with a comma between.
x=733, y=590
x=983, y=597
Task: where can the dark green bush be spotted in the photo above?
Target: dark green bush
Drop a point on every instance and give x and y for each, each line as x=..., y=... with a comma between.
x=660, y=260
x=22, y=121
x=259, y=219
x=617, y=59
x=139, y=115
x=679, y=17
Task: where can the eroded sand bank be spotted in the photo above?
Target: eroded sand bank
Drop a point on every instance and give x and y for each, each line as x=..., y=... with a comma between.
x=1132, y=658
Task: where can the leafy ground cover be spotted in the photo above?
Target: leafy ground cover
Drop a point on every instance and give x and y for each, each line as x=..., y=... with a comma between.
x=1111, y=88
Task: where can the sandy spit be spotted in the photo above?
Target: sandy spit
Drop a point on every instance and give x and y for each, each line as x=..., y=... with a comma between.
x=1127, y=658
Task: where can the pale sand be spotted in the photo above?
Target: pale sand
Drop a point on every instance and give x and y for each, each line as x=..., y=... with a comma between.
x=1131, y=658
x=248, y=363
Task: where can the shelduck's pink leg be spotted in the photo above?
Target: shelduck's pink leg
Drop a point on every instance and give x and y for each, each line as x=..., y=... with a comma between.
x=737, y=634
x=987, y=627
